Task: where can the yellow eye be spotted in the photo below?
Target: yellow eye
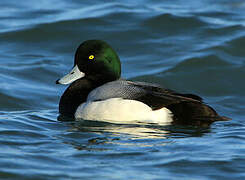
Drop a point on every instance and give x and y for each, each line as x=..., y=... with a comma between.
x=91, y=57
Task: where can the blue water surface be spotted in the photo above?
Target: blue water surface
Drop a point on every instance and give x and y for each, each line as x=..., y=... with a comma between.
x=189, y=46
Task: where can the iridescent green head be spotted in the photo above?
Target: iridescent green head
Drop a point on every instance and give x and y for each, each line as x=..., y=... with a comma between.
x=94, y=60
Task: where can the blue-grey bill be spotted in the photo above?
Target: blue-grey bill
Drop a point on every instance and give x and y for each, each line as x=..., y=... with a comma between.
x=72, y=76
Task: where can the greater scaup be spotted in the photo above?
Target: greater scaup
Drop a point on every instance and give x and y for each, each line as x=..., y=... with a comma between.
x=98, y=93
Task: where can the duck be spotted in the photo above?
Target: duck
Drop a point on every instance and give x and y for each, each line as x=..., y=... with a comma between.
x=97, y=92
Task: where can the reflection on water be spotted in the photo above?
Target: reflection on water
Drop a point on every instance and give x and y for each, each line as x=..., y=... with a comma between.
x=134, y=130
x=138, y=130
x=97, y=136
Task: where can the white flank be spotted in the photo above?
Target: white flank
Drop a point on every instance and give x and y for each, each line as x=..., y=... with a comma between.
x=120, y=110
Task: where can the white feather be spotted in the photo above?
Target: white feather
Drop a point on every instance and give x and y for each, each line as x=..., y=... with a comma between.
x=122, y=111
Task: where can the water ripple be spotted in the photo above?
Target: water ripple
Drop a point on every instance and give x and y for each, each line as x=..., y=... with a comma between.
x=192, y=47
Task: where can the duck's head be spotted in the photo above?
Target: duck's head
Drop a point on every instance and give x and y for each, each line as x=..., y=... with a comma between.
x=94, y=60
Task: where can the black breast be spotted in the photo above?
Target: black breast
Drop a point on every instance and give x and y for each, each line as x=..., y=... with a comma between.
x=73, y=96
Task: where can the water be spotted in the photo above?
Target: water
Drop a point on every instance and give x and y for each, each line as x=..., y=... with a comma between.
x=190, y=46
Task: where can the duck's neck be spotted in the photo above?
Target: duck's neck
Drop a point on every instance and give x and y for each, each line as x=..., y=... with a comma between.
x=76, y=94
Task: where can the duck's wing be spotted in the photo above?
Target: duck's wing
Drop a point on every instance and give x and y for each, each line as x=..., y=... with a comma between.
x=187, y=108
x=153, y=95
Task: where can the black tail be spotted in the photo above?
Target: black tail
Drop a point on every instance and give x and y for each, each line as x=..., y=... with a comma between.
x=195, y=113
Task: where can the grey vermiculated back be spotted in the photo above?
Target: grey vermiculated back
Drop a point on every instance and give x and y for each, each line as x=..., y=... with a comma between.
x=133, y=90
x=117, y=89
x=136, y=90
